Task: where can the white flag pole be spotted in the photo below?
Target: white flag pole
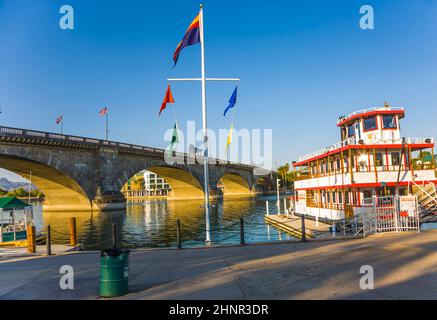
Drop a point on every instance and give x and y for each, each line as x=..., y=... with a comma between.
x=107, y=128
x=205, y=133
x=203, y=80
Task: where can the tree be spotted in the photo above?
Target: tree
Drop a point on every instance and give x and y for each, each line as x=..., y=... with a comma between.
x=287, y=177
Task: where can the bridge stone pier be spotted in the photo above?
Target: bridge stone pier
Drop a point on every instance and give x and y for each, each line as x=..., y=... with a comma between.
x=77, y=173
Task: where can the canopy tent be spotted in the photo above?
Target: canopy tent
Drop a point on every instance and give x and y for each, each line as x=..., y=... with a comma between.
x=12, y=203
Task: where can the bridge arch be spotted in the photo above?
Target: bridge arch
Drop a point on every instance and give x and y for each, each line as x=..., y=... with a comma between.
x=183, y=184
x=234, y=184
x=62, y=193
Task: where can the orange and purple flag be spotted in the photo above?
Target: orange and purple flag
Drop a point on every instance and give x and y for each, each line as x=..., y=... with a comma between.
x=192, y=36
x=168, y=98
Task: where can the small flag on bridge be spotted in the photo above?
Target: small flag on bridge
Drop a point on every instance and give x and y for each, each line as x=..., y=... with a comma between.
x=168, y=98
x=232, y=101
x=103, y=111
x=192, y=36
x=59, y=119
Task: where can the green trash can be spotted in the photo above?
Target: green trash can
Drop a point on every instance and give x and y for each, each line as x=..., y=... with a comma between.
x=114, y=272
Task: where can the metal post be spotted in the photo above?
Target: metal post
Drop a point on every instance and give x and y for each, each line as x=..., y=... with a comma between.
x=417, y=215
x=31, y=239
x=355, y=222
x=242, y=232
x=30, y=183
x=396, y=213
x=205, y=128
x=73, y=237
x=285, y=206
x=49, y=241
x=114, y=235
x=333, y=229
x=277, y=196
x=267, y=207
x=344, y=227
x=178, y=234
x=303, y=231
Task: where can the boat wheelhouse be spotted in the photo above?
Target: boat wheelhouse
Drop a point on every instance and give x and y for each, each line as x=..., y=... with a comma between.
x=371, y=160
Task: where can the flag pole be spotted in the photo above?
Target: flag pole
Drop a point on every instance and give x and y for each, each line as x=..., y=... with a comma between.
x=205, y=134
x=62, y=125
x=107, y=131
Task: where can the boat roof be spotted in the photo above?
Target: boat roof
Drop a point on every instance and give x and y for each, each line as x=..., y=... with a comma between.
x=343, y=120
x=10, y=203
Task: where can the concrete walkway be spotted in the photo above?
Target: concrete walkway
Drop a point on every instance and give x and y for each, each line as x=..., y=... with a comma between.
x=405, y=267
x=9, y=253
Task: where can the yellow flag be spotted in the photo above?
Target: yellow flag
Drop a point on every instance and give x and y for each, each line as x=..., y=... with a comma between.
x=229, y=141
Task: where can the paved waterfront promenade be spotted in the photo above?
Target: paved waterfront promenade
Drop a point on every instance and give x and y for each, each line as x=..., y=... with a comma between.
x=405, y=266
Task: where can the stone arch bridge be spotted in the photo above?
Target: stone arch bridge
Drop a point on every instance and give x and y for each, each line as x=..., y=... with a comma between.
x=78, y=173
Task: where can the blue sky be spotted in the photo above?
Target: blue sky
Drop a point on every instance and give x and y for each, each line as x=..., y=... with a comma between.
x=301, y=64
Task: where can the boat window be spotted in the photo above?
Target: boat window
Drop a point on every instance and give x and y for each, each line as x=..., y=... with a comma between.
x=367, y=194
x=367, y=197
x=379, y=159
x=403, y=192
x=395, y=158
x=347, y=197
x=370, y=124
x=389, y=122
x=343, y=133
x=340, y=197
x=350, y=130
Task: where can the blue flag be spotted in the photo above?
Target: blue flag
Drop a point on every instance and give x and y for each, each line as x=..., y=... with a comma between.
x=232, y=101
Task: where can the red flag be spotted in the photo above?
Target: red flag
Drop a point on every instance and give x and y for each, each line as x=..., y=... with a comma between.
x=103, y=111
x=59, y=119
x=167, y=99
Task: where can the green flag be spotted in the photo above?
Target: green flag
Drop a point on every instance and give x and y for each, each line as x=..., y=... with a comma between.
x=174, y=138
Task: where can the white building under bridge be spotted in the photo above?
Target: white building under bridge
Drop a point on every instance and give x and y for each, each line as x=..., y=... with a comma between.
x=146, y=184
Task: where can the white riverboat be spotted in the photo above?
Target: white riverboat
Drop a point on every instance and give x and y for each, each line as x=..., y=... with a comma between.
x=372, y=166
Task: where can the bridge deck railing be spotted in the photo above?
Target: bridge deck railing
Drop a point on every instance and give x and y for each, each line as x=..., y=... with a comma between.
x=50, y=136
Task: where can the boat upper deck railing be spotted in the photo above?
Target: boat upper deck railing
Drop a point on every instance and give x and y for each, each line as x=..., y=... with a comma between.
x=354, y=141
x=364, y=111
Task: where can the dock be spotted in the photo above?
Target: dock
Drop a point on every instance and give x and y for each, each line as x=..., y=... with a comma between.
x=293, y=225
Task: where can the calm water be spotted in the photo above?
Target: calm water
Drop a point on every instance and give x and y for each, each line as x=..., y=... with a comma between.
x=153, y=223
